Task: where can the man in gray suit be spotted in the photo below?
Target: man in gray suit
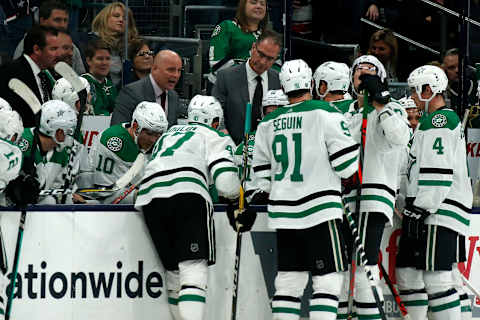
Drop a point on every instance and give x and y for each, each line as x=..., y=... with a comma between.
x=248, y=82
x=157, y=87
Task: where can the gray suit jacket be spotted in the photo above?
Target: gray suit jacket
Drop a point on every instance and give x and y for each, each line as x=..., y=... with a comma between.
x=231, y=89
x=142, y=90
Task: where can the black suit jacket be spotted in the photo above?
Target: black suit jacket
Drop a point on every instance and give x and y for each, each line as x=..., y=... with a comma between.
x=231, y=89
x=20, y=69
x=142, y=90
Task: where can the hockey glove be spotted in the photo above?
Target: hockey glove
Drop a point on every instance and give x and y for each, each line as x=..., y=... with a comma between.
x=23, y=190
x=414, y=221
x=260, y=197
x=241, y=220
x=351, y=183
x=377, y=90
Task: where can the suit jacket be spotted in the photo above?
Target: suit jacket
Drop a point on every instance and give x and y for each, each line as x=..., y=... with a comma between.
x=21, y=70
x=231, y=89
x=142, y=90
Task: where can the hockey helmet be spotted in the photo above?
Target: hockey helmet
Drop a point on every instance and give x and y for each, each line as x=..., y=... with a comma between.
x=295, y=75
x=10, y=125
x=150, y=116
x=56, y=115
x=205, y=109
x=335, y=74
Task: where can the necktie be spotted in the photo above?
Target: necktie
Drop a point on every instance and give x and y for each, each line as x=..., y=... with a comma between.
x=257, y=104
x=44, y=86
x=163, y=99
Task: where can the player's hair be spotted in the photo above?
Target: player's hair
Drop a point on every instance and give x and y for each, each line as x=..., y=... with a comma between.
x=387, y=36
x=241, y=17
x=47, y=7
x=37, y=36
x=297, y=93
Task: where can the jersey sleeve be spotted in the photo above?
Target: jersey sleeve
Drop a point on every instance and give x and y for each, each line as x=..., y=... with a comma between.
x=342, y=149
x=261, y=161
x=220, y=43
x=394, y=125
x=10, y=165
x=436, y=166
x=221, y=165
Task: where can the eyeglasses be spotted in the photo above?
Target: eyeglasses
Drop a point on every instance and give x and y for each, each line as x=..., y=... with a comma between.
x=264, y=56
x=366, y=68
x=145, y=53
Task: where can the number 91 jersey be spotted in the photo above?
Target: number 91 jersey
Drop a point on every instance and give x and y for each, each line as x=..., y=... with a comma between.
x=304, y=150
x=187, y=159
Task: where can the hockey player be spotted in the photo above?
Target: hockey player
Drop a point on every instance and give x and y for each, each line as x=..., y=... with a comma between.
x=63, y=90
x=253, y=193
x=331, y=84
x=302, y=151
x=387, y=136
x=439, y=199
x=177, y=206
x=53, y=148
x=413, y=116
x=116, y=148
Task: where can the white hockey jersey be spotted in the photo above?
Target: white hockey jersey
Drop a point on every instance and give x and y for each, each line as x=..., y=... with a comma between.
x=51, y=168
x=10, y=165
x=187, y=159
x=438, y=174
x=387, y=136
x=304, y=150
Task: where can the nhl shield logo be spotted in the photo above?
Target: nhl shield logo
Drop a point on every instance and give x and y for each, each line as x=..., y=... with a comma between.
x=194, y=247
x=114, y=144
x=23, y=145
x=439, y=121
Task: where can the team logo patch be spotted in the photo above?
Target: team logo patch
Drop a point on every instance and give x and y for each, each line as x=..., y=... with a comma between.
x=114, y=144
x=439, y=121
x=216, y=31
x=194, y=247
x=23, y=145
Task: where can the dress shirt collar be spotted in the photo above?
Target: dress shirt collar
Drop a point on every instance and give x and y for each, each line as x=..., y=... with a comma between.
x=156, y=89
x=251, y=75
x=35, y=68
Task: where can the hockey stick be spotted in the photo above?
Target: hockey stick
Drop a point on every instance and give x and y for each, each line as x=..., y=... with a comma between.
x=135, y=169
x=398, y=300
x=71, y=76
x=470, y=286
x=124, y=194
x=29, y=97
x=241, y=206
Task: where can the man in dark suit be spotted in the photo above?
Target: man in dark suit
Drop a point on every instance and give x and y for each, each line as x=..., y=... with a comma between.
x=157, y=87
x=41, y=52
x=248, y=82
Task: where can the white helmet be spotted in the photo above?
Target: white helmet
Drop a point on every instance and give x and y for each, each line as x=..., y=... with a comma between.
x=56, y=115
x=295, y=75
x=407, y=103
x=10, y=124
x=150, y=116
x=275, y=98
x=63, y=90
x=4, y=105
x=335, y=74
x=205, y=109
x=433, y=76
x=371, y=60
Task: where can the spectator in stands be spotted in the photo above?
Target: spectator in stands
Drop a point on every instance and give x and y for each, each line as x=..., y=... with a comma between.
x=232, y=39
x=384, y=46
x=17, y=19
x=450, y=66
x=141, y=56
x=55, y=14
x=248, y=82
x=103, y=91
x=41, y=52
x=109, y=25
x=65, y=47
x=157, y=87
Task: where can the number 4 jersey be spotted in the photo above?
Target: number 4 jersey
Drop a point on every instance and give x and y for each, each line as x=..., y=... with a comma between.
x=304, y=150
x=438, y=174
x=187, y=159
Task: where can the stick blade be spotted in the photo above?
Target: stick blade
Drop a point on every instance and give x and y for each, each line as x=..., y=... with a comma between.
x=26, y=94
x=70, y=75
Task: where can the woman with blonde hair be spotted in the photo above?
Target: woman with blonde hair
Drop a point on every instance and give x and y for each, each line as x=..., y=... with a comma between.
x=232, y=39
x=109, y=25
x=384, y=46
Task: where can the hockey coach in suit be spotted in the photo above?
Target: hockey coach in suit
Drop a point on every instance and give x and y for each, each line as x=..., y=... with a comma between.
x=249, y=81
x=157, y=87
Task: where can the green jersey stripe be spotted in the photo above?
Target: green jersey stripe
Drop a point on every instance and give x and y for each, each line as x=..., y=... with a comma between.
x=437, y=183
x=285, y=310
x=323, y=308
x=446, y=306
x=346, y=164
x=453, y=215
x=191, y=297
x=225, y=169
x=305, y=213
